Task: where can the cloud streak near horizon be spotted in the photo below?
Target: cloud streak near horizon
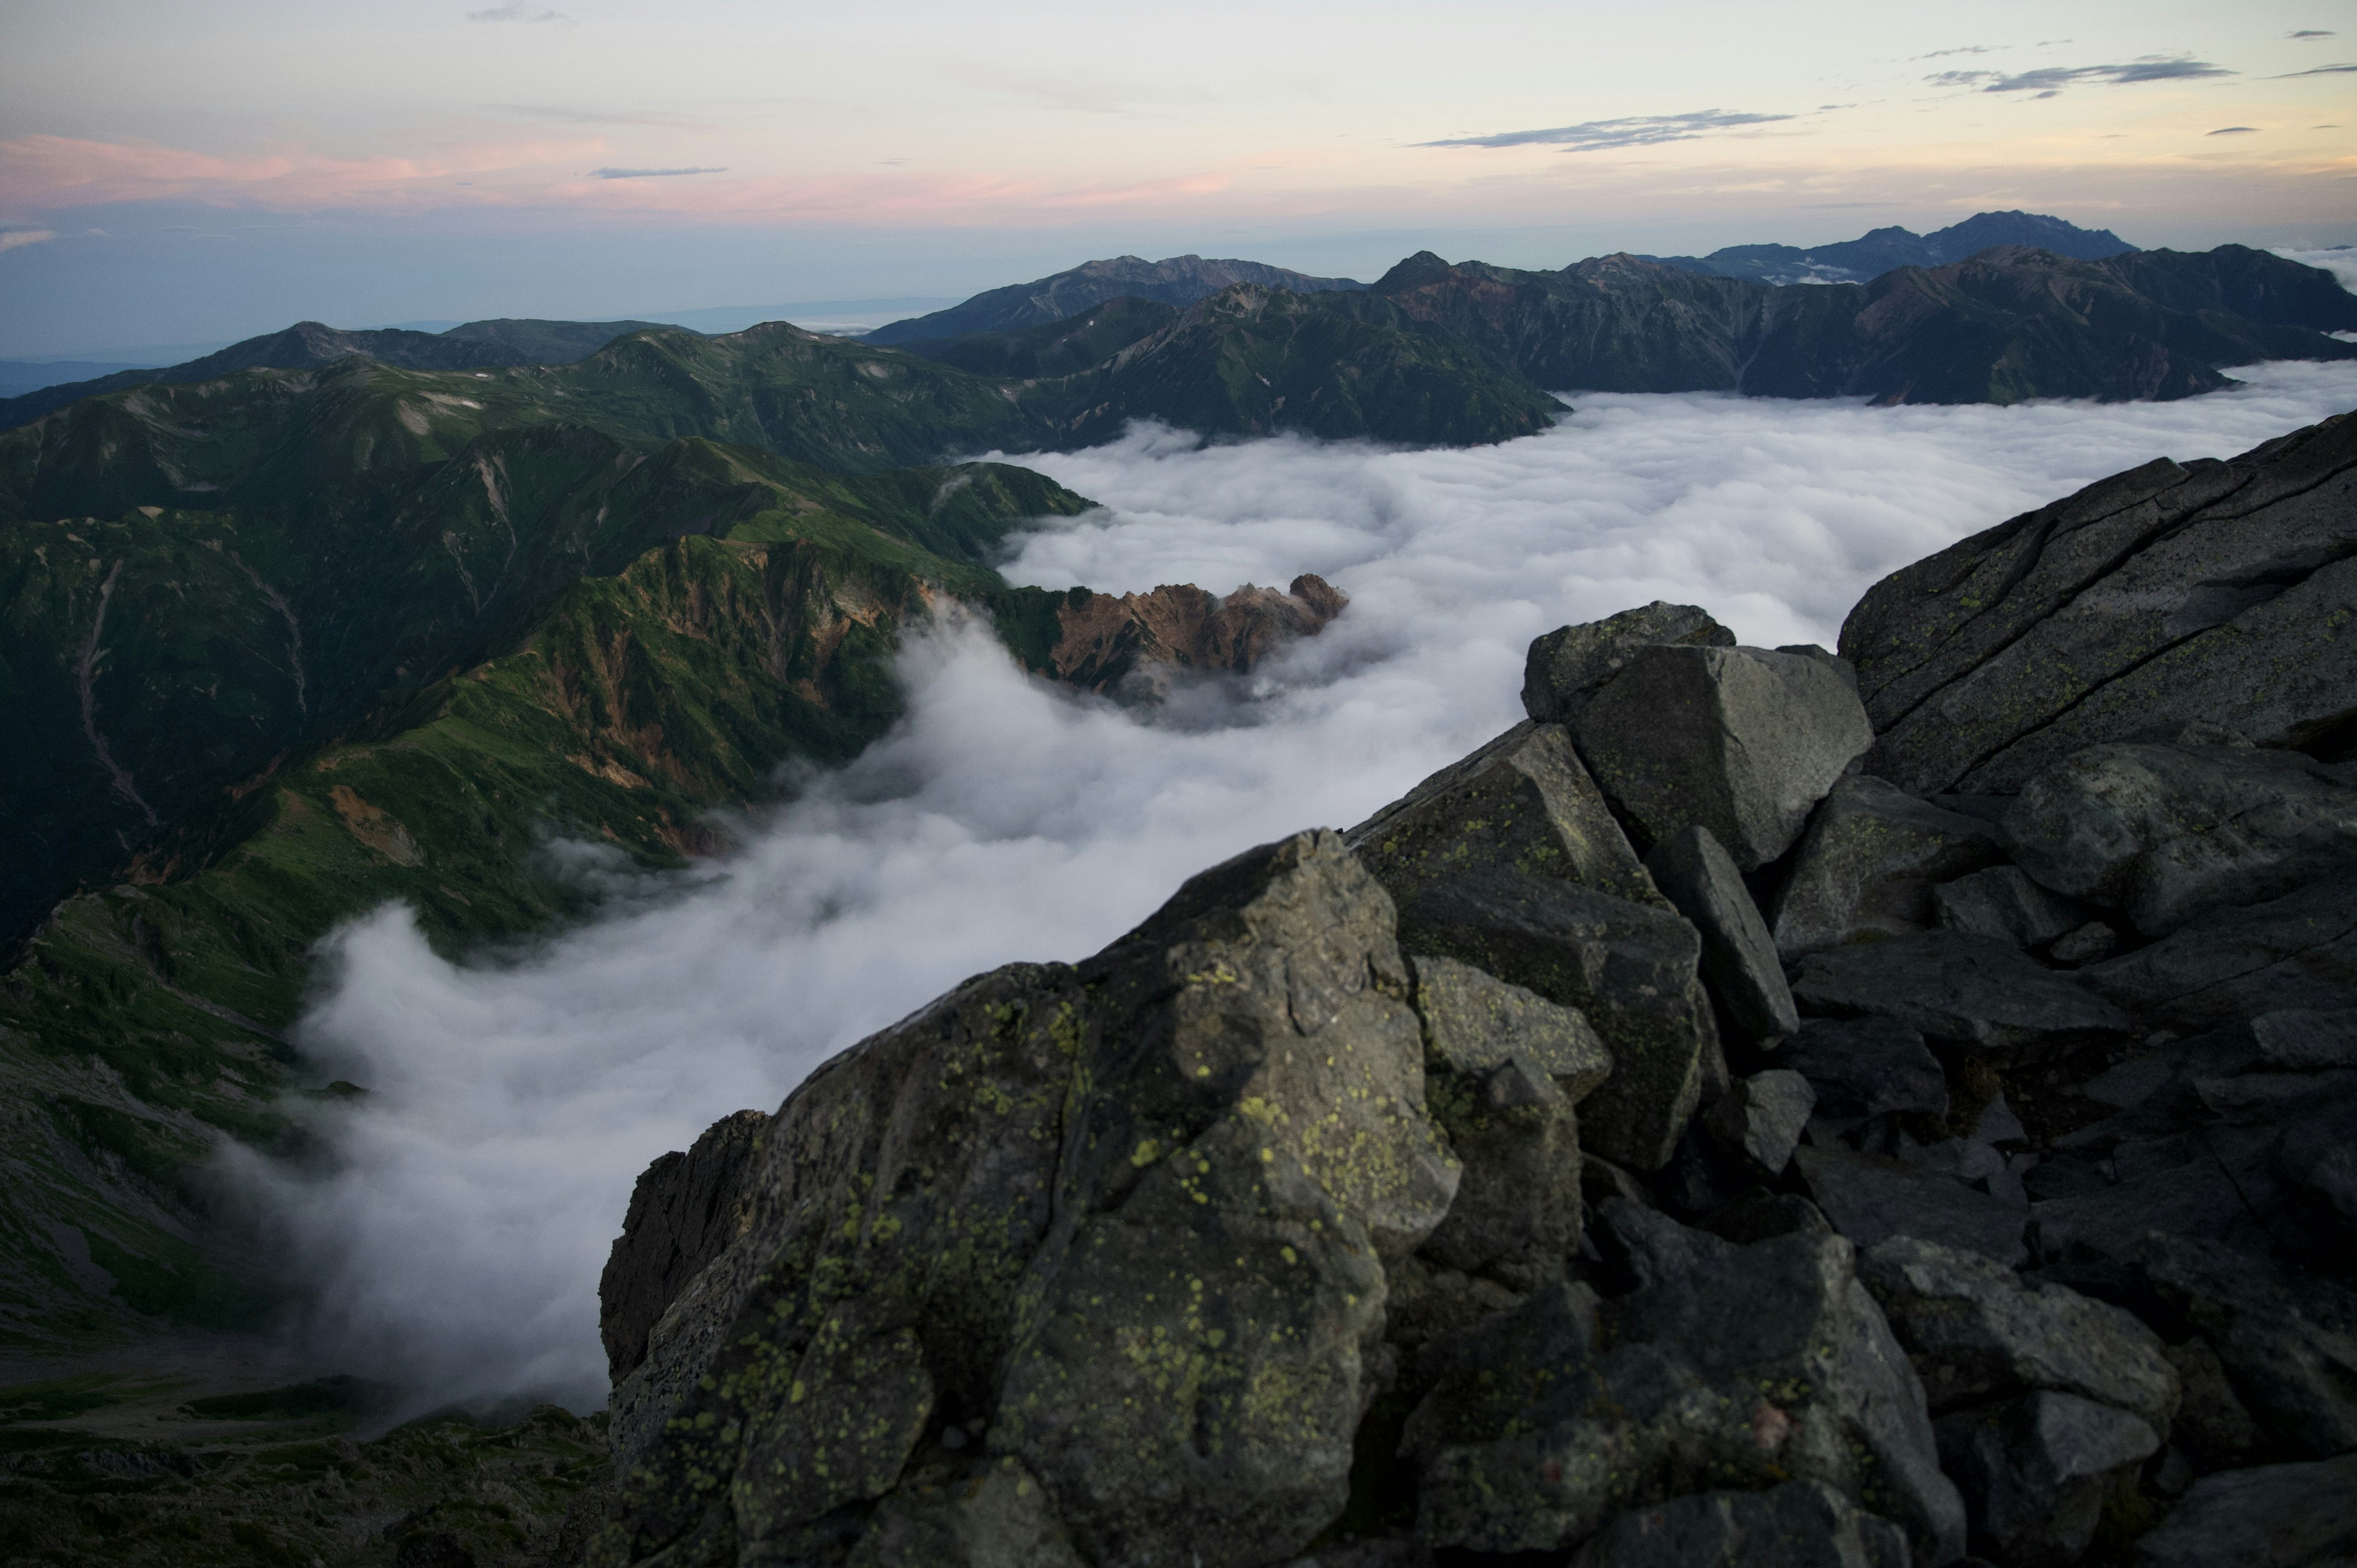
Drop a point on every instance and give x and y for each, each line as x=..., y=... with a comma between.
x=2048, y=80
x=1638, y=131
x=456, y=1237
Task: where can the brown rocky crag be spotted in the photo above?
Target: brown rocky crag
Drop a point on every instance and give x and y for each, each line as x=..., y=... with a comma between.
x=1134, y=646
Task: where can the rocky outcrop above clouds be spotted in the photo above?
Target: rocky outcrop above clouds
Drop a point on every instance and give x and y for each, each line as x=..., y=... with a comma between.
x=1134, y=646
x=1483, y=1182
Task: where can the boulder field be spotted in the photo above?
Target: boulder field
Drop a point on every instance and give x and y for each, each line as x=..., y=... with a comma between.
x=1769, y=1108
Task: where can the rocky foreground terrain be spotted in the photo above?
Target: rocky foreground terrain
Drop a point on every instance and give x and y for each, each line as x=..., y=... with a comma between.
x=1767, y=1108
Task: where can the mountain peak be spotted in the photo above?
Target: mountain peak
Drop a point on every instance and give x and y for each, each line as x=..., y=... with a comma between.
x=1416, y=270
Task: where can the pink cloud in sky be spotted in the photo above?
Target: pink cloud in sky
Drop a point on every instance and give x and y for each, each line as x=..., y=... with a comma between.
x=44, y=172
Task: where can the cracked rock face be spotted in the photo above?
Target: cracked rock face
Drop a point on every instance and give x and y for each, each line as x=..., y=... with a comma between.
x=2171, y=593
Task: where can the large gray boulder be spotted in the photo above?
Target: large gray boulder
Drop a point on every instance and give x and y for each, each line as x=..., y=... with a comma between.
x=1739, y=740
x=2275, y=1516
x=2206, y=591
x=2296, y=952
x=1503, y=1069
x=1523, y=802
x=1567, y=666
x=1095, y=1215
x=2035, y=1474
x=1972, y=991
x=1759, y=1119
x=1727, y=1367
x=1800, y=1524
x=2163, y=833
x=1868, y=866
x=1630, y=969
x=1975, y=1333
x=1740, y=963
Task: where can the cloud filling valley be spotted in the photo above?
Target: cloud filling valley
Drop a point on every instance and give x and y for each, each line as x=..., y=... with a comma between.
x=456, y=1237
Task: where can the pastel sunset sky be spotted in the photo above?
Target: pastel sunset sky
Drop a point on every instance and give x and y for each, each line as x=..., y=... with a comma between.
x=175, y=173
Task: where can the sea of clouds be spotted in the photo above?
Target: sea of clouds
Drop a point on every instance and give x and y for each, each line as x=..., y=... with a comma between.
x=457, y=1235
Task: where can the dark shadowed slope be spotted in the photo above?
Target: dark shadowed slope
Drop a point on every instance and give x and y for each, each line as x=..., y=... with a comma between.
x=2006, y=324
x=1873, y=253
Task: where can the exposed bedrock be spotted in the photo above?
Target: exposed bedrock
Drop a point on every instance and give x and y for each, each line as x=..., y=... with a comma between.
x=1650, y=1140
x=2210, y=592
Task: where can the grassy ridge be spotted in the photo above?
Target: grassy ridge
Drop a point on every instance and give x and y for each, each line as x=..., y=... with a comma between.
x=326, y=692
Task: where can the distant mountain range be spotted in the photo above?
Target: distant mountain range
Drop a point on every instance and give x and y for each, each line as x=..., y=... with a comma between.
x=1176, y=280
x=1880, y=250
x=307, y=345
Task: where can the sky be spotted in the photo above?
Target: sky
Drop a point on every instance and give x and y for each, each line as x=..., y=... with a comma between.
x=515, y=1097
x=180, y=174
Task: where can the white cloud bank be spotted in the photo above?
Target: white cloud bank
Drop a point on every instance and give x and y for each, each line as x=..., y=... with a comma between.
x=459, y=1239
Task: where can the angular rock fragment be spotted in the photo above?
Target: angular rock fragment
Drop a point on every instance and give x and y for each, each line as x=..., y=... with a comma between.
x=2090, y=943
x=1976, y=1333
x=1523, y=802
x=1759, y=1120
x=1870, y=1199
x=1728, y=1365
x=1565, y=668
x=2004, y=903
x=2299, y=951
x=1475, y=1023
x=1739, y=740
x=1867, y=1067
x=2035, y=1476
x=1629, y=968
x=1503, y=1069
x=2212, y=1424
x=1972, y=991
x=2276, y=1516
x=1800, y=1524
x=1868, y=866
x=2162, y=833
x=1738, y=956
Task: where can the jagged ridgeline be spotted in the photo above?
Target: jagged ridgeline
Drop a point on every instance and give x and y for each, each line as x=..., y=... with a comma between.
x=280, y=646
x=1767, y=1108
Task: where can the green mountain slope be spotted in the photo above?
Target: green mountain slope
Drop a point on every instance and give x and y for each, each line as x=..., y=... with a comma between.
x=1060, y=297
x=1058, y=348
x=1253, y=361
x=141, y=1022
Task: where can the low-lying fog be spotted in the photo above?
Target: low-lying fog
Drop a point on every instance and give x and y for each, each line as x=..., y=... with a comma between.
x=458, y=1243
